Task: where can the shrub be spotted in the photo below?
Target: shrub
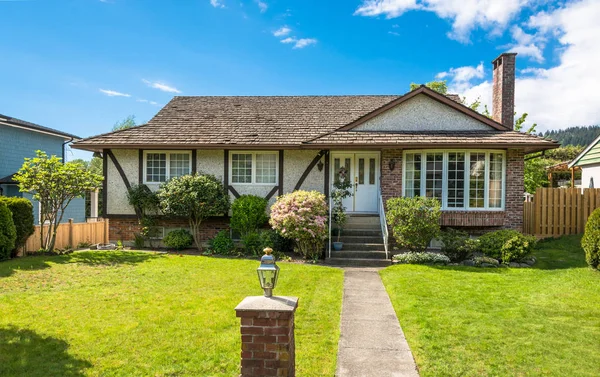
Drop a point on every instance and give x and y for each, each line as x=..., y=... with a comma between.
x=591, y=240
x=143, y=199
x=506, y=245
x=275, y=241
x=8, y=232
x=22, y=215
x=248, y=214
x=421, y=258
x=253, y=243
x=485, y=260
x=457, y=244
x=139, y=241
x=302, y=216
x=178, y=239
x=414, y=221
x=221, y=244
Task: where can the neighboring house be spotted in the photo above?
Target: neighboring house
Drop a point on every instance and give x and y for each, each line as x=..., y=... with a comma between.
x=21, y=139
x=421, y=143
x=589, y=163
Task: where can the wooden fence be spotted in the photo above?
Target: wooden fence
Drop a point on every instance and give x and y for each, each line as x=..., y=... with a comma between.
x=71, y=234
x=556, y=211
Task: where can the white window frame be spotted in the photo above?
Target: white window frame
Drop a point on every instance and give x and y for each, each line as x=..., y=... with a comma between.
x=467, y=153
x=168, y=169
x=253, y=182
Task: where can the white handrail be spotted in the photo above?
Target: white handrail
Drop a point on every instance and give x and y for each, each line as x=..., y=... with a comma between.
x=330, y=219
x=383, y=223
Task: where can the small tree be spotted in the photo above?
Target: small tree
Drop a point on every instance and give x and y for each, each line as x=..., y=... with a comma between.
x=22, y=214
x=146, y=203
x=195, y=197
x=414, y=221
x=8, y=232
x=126, y=123
x=591, y=240
x=341, y=191
x=54, y=185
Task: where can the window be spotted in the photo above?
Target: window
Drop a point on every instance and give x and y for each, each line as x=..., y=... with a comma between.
x=162, y=166
x=459, y=179
x=254, y=168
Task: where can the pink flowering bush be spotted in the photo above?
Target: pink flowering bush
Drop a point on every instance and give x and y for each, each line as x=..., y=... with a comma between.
x=302, y=217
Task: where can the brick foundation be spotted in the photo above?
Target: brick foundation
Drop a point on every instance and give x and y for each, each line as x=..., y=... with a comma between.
x=124, y=228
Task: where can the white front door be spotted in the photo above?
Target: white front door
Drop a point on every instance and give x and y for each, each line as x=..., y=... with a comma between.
x=362, y=169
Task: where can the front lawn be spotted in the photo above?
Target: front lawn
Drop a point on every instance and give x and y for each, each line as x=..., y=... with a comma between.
x=146, y=314
x=465, y=321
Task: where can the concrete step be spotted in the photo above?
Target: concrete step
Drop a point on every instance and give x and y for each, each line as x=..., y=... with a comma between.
x=357, y=262
x=358, y=254
x=359, y=233
x=351, y=226
x=358, y=239
x=370, y=220
x=364, y=246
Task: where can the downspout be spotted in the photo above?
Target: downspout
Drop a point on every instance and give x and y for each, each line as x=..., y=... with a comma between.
x=64, y=148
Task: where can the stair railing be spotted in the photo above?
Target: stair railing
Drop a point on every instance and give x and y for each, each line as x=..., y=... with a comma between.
x=330, y=220
x=383, y=223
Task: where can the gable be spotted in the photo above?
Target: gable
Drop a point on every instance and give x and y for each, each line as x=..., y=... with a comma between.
x=592, y=156
x=422, y=113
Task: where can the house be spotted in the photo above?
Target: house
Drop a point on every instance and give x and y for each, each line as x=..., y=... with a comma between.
x=589, y=163
x=420, y=143
x=21, y=139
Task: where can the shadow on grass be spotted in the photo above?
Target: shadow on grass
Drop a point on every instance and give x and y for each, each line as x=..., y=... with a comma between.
x=92, y=258
x=26, y=353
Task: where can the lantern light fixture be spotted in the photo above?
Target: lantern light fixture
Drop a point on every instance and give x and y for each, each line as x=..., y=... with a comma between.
x=268, y=272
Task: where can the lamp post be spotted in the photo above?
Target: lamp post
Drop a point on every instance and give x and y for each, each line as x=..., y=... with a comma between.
x=268, y=272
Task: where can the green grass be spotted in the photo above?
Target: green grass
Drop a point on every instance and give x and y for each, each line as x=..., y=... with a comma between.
x=465, y=321
x=145, y=314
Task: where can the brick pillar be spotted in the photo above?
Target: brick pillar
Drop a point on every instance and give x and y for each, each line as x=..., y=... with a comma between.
x=267, y=327
x=391, y=180
x=503, y=89
x=515, y=187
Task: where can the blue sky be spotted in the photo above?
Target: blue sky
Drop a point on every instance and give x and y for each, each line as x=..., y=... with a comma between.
x=82, y=65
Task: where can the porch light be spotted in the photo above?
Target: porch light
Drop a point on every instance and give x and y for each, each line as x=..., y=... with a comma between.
x=268, y=272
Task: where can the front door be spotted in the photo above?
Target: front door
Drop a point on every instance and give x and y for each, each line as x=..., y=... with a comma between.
x=362, y=169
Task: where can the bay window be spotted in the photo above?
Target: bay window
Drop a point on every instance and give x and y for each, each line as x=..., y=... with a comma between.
x=160, y=166
x=253, y=168
x=461, y=179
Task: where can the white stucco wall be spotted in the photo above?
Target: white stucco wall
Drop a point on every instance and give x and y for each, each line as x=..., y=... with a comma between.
x=210, y=162
x=588, y=172
x=295, y=163
x=422, y=113
x=117, y=203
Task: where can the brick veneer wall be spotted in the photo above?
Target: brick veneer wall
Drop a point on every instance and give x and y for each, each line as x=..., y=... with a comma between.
x=124, y=228
x=511, y=218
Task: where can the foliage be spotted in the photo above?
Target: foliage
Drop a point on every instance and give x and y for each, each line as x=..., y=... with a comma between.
x=94, y=165
x=22, y=215
x=221, y=244
x=341, y=191
x=248, y=214
x=54, y=184
x=414, y=221
x=439, y=86
x=8, y=232
x=277, y=242
x=458, y=246
x=580, y=135
x=84, y=245
x=591, y=240
x=139, y=241
x=506, y=245
x=485, y=260
x=128, y=122
x=302, y=217
x=143, y=199
x=520, y=121
x=421, y=258
x=195, y=197
x=178, y=239
x=119, y=245
x=253, y=243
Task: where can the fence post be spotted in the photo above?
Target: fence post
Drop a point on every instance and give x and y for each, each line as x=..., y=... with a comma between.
x=71, y=233
x=106, y=230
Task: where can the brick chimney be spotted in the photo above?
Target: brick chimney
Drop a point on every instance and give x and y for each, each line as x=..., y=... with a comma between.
x=503, y=96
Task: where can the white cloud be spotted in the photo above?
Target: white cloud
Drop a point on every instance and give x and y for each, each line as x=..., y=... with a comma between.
x=531, y=45
x=461, y=77
x=217, y=3
x=288, y=40
x=394, y=33
x=563, y=95
x=113, y=93
x=282, y=31
x=262, y=6
x=465, y=15
x=161, y=86
x=303, y=42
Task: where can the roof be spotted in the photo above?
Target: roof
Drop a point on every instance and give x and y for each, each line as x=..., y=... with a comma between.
x=590, y=155
x=15, y=122
x=276, y=122
x=9, y=179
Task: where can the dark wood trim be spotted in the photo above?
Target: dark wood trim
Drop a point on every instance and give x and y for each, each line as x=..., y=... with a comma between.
x=122, y=174
x=272, y=192
x=226, y=168
x=104, y=183
x=327, y=184
x=161, y=217
x=194, y=167
x=280, y=173
x=309, y=169
x=140, y=166
x=234, y=191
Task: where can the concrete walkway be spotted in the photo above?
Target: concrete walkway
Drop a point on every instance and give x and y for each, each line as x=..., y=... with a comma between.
x=371, y=341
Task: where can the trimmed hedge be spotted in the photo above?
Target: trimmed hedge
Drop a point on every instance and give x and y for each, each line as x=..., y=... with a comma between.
x=179, y=239
x=8, y=232
x=248, y=214
x=591, y=240
x=507, y=245
x=22, y=215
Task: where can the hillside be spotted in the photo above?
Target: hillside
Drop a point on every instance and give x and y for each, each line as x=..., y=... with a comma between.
x=574, y=135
